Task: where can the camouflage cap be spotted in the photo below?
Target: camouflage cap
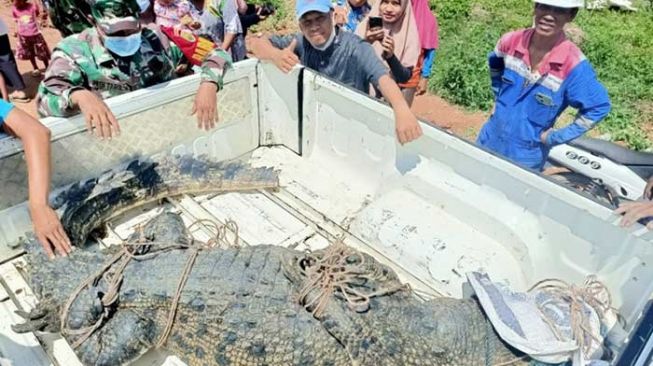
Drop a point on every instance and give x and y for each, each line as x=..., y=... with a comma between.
x=113, y=16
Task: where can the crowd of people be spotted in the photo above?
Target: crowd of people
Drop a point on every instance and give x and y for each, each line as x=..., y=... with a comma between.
x=384, y=48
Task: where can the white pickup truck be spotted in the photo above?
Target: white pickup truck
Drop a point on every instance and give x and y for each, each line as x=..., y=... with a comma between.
x=433, y=209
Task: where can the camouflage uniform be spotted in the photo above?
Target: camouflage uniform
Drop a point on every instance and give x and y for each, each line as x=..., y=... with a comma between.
x=82, y=62
x=68, y=16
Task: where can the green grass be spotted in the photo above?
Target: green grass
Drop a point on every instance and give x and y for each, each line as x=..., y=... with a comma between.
x=619, y=45
x=282, y=20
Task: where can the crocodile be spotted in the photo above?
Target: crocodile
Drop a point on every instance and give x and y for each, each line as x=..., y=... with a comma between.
x=239, y=305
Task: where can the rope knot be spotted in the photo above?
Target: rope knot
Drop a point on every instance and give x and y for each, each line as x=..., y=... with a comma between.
x=344, y=271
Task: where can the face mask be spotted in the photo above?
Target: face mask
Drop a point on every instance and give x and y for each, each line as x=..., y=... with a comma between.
x=123, y=46
x=143, y=4
x=328, y=43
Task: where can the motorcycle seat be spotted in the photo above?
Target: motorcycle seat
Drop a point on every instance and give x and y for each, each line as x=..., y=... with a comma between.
x=613, y=151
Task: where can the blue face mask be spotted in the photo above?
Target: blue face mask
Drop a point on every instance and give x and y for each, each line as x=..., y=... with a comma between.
x=143, y=4
x=123, y=46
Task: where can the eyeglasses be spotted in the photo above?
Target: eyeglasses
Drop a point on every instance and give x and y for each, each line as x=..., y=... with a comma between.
x=552, y=9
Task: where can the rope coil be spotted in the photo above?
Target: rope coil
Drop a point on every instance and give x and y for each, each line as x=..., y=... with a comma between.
x=592, y=293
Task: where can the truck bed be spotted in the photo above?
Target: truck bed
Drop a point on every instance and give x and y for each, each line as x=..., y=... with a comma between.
x=432, y=210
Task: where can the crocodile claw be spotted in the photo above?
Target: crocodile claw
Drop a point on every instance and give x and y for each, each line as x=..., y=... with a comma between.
x=37, y=319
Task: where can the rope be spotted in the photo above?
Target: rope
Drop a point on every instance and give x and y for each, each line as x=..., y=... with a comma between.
x=339, y=269
x=592, y=293
x=128, y=253
x=220, y=237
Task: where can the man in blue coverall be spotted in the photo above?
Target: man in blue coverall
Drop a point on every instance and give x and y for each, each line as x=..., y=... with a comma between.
x=536, y=74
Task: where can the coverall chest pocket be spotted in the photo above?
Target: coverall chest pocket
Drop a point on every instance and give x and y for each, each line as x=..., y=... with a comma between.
x=541, y=108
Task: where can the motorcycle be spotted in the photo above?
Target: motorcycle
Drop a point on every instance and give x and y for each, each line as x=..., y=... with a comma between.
x=606, y=171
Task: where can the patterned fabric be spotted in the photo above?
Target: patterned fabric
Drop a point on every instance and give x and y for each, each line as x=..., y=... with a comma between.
x=175, y=14
x=113, y=16
x=30, y=47
x=82, y=62
x=68, y=16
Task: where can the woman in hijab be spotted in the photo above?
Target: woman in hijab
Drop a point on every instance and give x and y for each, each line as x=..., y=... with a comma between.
x=427, y=26
x=396, y=41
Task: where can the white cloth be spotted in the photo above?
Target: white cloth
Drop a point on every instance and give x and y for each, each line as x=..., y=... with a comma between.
x=518, y=320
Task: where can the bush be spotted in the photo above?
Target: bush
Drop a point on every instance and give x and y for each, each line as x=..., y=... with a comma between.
x=618, y=44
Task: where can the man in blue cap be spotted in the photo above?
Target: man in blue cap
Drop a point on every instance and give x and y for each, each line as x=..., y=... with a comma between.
x=342, y=56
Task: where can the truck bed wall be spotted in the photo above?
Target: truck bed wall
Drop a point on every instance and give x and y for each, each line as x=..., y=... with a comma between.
x=549, y=230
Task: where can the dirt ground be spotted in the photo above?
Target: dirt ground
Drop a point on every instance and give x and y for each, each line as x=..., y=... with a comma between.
x=428, y=107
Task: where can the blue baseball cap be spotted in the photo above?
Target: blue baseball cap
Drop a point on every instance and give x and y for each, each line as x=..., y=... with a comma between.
x=305, y=6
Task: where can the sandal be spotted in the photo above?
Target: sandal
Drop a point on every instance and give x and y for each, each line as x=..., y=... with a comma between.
x=20, y=99
x=36, y=73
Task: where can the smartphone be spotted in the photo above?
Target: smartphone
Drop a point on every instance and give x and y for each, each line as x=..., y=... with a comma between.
x=376, y=22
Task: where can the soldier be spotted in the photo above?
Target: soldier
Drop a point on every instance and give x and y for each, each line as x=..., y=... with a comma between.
x=115, y=57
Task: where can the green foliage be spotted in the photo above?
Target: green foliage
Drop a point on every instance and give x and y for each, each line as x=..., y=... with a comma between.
x=618, y=44
x=280, y=20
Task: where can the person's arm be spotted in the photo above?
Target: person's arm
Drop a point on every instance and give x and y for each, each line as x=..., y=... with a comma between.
x=3, y=88
x=62, y=78
x=214, y=67
x=427, y=64
x=232, y=24
x=586, y=94
x=497, y=65
x=36, y=141
x=400, y=72
x=406, y=125
x=228, y=40
x=63, y=93
x=242, y=6
x=496, y=62
x=282, y=51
